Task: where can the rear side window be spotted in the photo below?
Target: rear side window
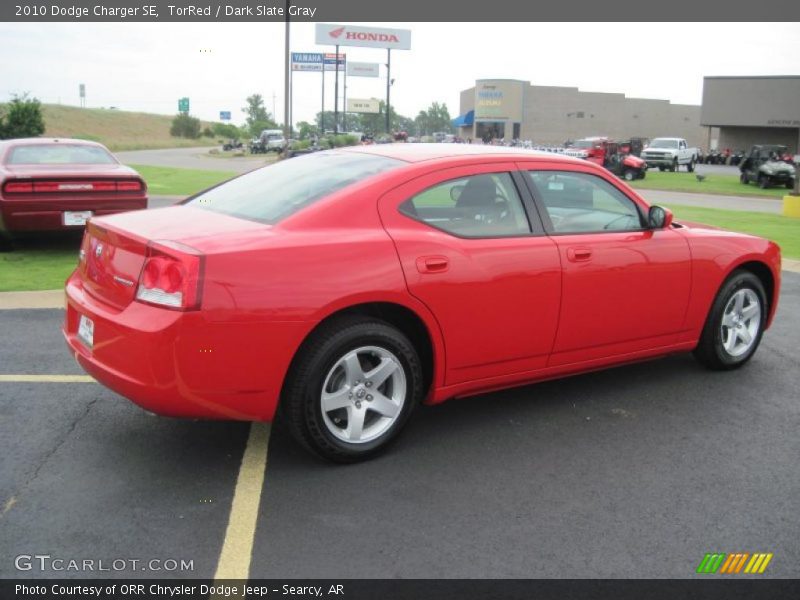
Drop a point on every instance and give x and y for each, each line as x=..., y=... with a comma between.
x=273, y=193
x=55, y=154
x=477, y=206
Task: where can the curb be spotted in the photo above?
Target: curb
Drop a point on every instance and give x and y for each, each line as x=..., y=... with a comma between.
x=55, y=298
x=38, y=299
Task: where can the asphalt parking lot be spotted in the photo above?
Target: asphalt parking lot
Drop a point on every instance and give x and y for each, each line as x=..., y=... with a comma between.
x=633, y=472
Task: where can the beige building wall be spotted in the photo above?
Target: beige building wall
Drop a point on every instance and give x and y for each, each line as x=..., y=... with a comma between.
x=552, y=115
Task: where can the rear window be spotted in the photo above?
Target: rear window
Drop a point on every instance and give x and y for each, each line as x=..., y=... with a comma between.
x=56, y=154
x=275, y=192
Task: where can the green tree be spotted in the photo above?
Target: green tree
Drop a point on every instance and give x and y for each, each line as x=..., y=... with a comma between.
x=435, y=118
x=185, y=126
x=226, y=130
x=306, y=130
x=258, y=118
x=22, y=118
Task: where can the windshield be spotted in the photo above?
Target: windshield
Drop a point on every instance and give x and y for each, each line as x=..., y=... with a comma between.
x=56, y=154
x=275, y=192
x=664, y=144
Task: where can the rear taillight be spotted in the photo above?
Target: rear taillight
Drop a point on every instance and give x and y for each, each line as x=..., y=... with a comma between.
x=129, y=186
x=18, y=188
x=49, y=187
x=171, y=276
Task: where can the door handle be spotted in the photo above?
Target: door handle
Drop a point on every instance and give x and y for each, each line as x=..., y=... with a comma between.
x=433, y=264
x=579, y=254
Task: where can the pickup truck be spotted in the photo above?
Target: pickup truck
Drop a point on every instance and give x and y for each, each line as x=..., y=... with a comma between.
x=272, y=140
x=670, y=153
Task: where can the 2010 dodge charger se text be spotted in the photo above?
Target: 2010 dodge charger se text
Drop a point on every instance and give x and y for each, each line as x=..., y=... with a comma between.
x=345, y=287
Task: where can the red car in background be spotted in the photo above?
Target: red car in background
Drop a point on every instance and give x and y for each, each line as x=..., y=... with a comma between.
x=51, y=184
x=347, y=286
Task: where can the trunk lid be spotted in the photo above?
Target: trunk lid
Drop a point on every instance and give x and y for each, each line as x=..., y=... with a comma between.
x=114, y=247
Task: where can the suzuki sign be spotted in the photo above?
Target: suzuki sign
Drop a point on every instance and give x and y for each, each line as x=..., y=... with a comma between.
x=368, y=37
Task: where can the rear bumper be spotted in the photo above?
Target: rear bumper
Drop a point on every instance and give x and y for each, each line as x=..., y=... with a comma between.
x=181, y=364
x=40, y=215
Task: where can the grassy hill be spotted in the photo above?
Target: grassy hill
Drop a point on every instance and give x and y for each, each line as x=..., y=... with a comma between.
x=117, y=129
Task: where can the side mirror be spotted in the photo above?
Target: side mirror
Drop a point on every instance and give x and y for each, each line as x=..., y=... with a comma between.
x=659, y=217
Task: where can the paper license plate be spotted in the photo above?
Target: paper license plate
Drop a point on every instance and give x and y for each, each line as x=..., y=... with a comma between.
x=76, y=217
x=86, y=331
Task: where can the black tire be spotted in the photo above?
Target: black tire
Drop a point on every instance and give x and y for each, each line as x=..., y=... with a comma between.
x=301, y=404
x=763, y=182
x=710, y=350
x=661, y=168
x=743, y=178
x=789, y=185
x=629, y=175
x=674, y=167
x=690, y=166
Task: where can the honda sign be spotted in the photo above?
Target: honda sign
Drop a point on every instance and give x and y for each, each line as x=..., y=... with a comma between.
x=368, y=37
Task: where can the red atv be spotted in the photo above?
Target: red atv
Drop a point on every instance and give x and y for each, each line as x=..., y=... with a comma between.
x=619, y=160
x=617, y=157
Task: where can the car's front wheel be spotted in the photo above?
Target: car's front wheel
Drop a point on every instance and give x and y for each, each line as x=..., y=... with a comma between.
x=352, y=388
x=735, y=323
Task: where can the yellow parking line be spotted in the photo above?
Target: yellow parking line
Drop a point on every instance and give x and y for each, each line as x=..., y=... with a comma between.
x=46, y=379
x=237, y=548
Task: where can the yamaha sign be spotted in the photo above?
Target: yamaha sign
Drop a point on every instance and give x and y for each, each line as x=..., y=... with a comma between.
x=367, y=37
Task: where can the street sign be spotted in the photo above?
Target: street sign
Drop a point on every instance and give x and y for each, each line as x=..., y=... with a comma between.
x=82, y=90
x=183, y=105
x=314, y=61
x=224, y=115
x=369, y=37
x=362, y=69
x=363, y=105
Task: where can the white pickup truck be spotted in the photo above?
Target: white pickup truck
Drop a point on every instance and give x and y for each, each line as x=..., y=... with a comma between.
x=670, y=153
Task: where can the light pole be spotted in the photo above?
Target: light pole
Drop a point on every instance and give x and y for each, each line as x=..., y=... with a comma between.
x=286, y=87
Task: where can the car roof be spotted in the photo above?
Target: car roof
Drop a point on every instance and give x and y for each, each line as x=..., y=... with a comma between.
x=414, y=153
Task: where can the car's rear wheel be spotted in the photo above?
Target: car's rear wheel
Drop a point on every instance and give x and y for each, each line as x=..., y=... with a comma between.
x=352, y=388
x=735, y=323
x=661, y=168
x=789, y=185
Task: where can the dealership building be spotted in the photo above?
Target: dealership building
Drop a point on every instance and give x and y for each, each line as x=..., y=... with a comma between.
x=515, y=109
x=742, y=111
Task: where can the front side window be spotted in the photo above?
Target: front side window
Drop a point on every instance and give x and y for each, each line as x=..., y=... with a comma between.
x=477, y=206
x=583, y=203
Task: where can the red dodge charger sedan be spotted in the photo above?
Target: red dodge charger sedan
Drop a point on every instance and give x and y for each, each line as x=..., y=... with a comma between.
x=345, y=287
x=57, y=184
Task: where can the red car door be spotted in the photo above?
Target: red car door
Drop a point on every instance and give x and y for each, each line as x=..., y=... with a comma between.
x=488, y=273
x=625, y=287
